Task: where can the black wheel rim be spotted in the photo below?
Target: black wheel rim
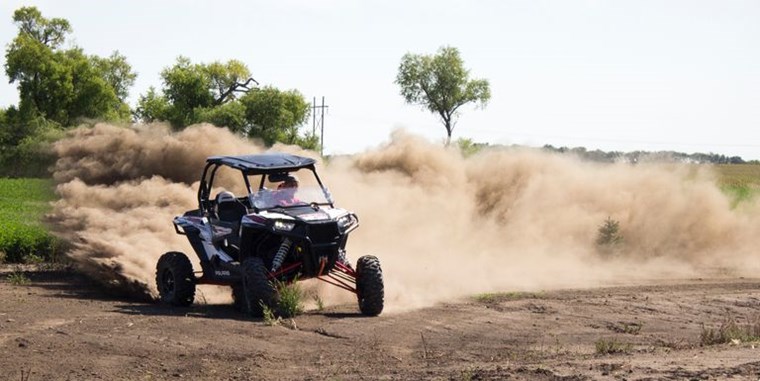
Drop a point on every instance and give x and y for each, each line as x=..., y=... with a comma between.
x=168, y=281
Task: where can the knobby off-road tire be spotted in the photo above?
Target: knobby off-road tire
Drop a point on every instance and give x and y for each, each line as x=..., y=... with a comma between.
x=175, y=279
x=257, y=289
x=369, y=285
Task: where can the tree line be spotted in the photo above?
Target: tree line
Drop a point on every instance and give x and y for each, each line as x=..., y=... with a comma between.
x=647, y=156
x=63, y=87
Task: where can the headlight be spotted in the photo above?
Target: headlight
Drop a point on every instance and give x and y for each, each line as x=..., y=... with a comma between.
x=284, y=226
x=346, y=221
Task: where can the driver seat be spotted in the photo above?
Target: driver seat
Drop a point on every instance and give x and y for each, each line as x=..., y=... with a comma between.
x=228, y=208
x=230, y=211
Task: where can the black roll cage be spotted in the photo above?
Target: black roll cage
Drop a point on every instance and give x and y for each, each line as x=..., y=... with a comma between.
x=204, y=190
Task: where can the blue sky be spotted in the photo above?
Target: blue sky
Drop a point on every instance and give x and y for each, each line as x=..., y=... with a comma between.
x=614, y=75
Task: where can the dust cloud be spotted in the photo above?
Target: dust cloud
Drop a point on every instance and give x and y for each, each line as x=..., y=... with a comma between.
x=119, y=190
x=442, y=225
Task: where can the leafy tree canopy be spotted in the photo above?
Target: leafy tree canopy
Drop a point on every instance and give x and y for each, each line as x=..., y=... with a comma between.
x=117, y=73
x=63, y=85
x=275, y=115
x=31, y=24
x=222, y=94
x=440, y=84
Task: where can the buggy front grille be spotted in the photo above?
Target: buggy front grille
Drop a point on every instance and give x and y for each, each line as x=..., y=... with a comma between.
x=326, y=232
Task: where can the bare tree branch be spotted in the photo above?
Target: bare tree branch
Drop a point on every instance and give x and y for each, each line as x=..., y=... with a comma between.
x=236, y=87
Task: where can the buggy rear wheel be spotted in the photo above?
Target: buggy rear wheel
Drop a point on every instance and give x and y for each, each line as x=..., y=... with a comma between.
x=257, y=289
x=175, y=280
x=369, y=285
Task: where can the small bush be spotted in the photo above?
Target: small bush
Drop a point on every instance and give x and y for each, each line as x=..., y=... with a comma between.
x=468, y=147
x=290, y=303
x=729, y=330
x=608, y=237
x=269, y=317
x=18, y=278
x=611, y=346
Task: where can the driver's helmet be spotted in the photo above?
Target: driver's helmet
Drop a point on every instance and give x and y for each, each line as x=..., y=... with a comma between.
x=225, y=196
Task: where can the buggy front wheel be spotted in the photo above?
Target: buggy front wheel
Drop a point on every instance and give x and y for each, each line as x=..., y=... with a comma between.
x=369, y=285
x=258, y=291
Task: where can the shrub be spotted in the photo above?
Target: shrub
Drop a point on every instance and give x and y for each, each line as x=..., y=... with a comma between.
x=269, y=317
x=729, y=330
x=18, y=278
x=291, y=297
x=608, y=237
x=611, y=346
x=289, y=303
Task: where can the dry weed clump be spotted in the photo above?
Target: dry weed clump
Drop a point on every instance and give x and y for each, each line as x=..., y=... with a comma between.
x=731, y=331
x=612, y=346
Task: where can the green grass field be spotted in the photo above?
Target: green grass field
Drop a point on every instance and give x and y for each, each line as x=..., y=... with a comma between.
x=740, y=181
x=23, y=238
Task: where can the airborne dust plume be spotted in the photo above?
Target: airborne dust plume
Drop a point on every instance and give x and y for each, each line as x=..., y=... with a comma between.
x=443, y=226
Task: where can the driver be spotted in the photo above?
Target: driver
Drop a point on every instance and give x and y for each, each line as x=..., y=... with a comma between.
x=286, y=192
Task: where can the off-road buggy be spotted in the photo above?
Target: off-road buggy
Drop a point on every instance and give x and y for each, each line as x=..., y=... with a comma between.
x=268, y=235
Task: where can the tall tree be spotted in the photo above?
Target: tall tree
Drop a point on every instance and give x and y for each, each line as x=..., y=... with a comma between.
x=440, y=84
x=275, y=115
x=193, y=92
x=50, y=33
x=152, y=106
x=228, y=80
x=117, y=72
x=223, y=94
x=186, y=86
x=63, y=85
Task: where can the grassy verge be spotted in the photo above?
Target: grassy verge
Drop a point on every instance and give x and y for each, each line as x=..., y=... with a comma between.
x=741, y=182
x=23, y=238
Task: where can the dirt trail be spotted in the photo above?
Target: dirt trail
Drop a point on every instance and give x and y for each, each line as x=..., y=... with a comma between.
x=63, y=327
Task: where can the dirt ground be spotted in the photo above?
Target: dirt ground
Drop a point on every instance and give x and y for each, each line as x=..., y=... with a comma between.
x=61, y=326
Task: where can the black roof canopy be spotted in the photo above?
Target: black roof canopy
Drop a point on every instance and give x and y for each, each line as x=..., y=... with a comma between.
x=264, y=163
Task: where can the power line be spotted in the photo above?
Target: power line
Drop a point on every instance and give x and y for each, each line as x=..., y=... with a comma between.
x=321, y=122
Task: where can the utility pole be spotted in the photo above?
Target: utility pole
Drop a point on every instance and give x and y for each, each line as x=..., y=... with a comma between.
x=320, y=121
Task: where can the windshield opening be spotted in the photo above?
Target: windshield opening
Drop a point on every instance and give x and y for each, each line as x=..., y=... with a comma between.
x=287, y=189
